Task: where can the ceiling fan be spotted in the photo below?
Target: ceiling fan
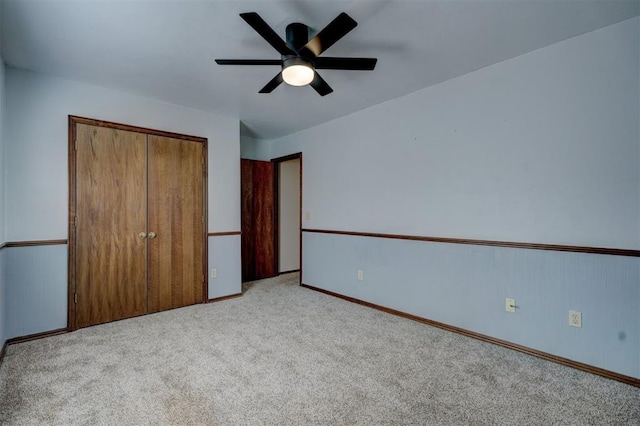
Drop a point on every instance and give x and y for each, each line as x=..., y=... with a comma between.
x=300, y=57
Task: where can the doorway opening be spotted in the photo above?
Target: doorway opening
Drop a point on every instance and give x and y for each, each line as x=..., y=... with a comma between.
x=271, y=217
x=288, y=217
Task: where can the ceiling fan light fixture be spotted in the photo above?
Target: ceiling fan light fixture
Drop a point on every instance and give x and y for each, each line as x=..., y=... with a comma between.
x=299, y=56
x=297, y=72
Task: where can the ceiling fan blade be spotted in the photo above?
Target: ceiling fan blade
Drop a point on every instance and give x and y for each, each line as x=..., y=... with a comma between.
x=248, y=62
x=333, y=32
x=275, y=82
x=320, y=85
x=262, y=28
x=359, y=64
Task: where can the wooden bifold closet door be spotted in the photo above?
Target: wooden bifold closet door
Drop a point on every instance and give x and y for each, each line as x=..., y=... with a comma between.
x=176, y=214
x=138, y=225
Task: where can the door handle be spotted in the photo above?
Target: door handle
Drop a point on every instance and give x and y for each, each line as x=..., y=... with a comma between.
x=152, y=235
x=142, y=235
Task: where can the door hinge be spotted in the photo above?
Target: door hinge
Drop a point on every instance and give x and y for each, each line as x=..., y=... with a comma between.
x=202, y=277
x=75, y=221
x=75, y=144
x=75, y=298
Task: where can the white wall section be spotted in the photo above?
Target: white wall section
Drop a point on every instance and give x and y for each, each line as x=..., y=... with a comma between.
x=540, y=148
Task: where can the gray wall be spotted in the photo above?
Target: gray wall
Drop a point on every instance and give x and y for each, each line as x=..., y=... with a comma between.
x=466, y=286
x=3, y=298
x=36, y=290
x=542, y=148
x=36, y=186
x=253, y=149
x=3, y=334
x=223, y=256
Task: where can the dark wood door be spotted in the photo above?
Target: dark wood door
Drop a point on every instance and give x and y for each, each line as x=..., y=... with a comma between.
x=258, y=216
x=111, y=280
x=176, y=223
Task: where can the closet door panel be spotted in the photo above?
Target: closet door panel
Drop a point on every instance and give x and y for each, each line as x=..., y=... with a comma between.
x=175, y=214
x=111, y=280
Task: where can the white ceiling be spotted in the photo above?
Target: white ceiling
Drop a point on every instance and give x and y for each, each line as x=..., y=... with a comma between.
x=164, y=49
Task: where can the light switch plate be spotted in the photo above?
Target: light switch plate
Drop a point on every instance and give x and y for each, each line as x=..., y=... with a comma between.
x=510, y=305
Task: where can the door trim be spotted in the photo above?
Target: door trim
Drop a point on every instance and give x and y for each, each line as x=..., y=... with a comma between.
x=73, y=121
x=276, y=217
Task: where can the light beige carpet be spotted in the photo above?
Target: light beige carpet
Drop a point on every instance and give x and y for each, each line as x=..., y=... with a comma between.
x=285, y=355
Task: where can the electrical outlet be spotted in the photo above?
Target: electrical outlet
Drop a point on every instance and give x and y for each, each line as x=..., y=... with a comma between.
x=575, y=319
x=510, y=305
x=214, y=273
x=360, y=275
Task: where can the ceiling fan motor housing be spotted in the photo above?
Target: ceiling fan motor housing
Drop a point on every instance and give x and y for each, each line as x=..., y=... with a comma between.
x=297, y=36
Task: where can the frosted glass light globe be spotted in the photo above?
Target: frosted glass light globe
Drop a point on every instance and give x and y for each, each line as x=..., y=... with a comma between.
x=298, y=75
